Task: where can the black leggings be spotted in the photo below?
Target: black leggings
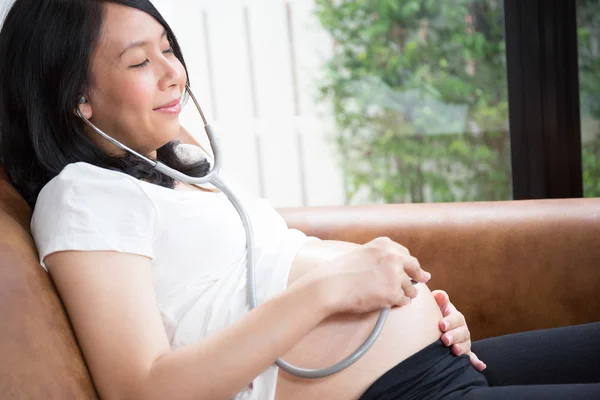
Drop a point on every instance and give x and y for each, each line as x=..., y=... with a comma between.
x=561, y=363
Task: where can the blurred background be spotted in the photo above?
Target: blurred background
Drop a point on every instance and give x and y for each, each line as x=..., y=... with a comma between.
x=331, y=102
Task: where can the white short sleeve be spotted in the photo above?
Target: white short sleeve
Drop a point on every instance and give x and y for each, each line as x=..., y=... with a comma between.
x=87, y=208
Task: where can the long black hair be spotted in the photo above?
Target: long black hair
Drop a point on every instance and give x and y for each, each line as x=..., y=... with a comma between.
x=45, y=56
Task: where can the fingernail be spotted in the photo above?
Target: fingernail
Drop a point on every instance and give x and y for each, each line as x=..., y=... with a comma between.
x=450, y=338
x=484, y=365
x=445, y=325
x=428, y=275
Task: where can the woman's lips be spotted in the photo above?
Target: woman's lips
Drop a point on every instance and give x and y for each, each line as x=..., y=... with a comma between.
x=173, y=107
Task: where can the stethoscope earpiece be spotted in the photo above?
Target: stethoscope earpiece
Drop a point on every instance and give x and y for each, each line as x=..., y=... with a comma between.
x=82, y=100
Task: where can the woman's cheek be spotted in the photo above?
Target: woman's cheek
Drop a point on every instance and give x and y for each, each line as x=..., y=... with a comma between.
x=139, y=93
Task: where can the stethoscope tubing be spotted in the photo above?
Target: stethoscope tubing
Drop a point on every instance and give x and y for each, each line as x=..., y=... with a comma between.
x=214, y=179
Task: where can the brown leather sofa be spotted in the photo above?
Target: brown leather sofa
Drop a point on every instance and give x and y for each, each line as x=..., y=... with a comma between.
x=508, y=266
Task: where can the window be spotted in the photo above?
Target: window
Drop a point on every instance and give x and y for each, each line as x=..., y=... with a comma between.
x=588, y=22
x=419, y=96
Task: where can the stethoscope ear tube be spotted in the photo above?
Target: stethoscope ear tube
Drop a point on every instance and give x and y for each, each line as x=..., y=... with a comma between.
x=213, y=178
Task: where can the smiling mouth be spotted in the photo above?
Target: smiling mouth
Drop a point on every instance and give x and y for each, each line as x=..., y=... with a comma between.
x=173, y=107
x=172, y=104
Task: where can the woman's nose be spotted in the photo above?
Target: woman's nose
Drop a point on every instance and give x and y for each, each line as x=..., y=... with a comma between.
x=171, y=74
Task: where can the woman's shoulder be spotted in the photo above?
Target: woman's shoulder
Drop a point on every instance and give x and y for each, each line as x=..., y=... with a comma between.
x=90, y=208
x=85, y=185
x=85, y=175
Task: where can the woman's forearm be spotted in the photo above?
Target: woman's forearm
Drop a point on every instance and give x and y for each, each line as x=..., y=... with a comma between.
x=221, y=365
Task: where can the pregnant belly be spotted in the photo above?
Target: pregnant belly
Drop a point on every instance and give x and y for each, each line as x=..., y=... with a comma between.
x=408, y=329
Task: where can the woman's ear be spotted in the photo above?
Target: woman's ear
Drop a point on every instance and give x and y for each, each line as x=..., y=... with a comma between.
x=84, y=106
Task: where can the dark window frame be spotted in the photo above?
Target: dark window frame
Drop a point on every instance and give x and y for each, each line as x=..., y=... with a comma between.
x=543, y=93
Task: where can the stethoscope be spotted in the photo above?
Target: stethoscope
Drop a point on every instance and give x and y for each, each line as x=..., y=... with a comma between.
x=213, y=178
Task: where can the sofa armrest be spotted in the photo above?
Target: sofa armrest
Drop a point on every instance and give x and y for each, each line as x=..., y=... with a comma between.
x=509, y=266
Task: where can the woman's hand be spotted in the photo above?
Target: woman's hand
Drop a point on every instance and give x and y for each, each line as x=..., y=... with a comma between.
x=456, y=332
x=371, y=277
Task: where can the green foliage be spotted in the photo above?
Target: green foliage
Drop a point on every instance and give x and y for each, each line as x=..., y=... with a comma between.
x=419, y=93
x=588, y=21
x=591, y=168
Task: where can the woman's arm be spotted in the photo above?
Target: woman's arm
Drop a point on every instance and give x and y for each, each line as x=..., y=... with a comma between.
x=110, y=300
x=112, y=306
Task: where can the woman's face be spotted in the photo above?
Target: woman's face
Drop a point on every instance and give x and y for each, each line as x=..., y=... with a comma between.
x=137, y=82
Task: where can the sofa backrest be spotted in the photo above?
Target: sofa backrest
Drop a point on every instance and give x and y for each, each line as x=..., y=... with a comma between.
x=509, y=266
x=39, y=356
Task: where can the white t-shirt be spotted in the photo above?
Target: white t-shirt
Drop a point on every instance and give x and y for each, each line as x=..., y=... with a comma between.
x=195, y=239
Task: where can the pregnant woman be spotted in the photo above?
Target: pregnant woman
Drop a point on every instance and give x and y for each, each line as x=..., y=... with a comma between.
x=152, y=271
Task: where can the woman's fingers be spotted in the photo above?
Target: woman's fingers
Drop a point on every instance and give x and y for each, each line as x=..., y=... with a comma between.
x=458, y=349
x=453, y=319
x=442, y=299
x=458, y=336
x=456, y=332
x=409, y=290
x=402, y=249
x=476, y=362
x=410, y=264
x=414, y=270
x=404, y=302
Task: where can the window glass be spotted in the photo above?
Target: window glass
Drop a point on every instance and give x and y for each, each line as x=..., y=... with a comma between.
x=588, y=21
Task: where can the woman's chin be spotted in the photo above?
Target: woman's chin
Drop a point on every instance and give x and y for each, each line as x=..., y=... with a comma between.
x=167, y=132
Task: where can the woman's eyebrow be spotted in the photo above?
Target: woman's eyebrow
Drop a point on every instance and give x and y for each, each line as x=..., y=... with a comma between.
x=139, y=43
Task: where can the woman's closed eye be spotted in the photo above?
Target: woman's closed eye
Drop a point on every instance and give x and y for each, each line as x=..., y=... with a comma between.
x=145, y=62
x=140, y=65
